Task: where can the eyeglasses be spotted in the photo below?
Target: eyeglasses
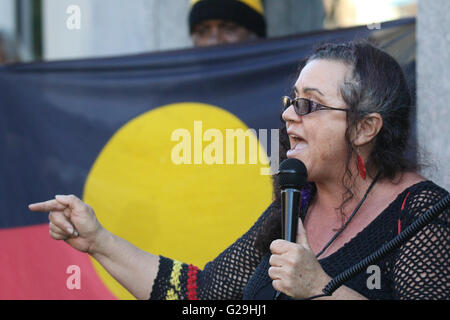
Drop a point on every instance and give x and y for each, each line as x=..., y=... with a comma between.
x=303, y=106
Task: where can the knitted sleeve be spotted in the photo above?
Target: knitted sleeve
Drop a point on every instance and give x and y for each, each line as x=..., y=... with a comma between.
x=420, y=267
x=223, y=278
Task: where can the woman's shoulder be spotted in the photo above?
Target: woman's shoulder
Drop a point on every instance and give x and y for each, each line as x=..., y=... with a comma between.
x=420, y=195
x=415, y=185
x=408, y=196
x=422, y=189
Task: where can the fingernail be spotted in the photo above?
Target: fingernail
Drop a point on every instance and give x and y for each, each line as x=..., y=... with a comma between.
x=75, y=233
x=69, y=230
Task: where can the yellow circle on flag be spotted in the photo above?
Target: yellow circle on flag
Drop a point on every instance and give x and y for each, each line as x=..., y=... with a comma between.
x=164, y=183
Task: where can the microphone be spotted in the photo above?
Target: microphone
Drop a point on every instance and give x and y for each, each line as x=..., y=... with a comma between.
x=292, y=176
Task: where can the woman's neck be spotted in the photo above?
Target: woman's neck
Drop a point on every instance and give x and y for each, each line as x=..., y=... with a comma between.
x=331, y=194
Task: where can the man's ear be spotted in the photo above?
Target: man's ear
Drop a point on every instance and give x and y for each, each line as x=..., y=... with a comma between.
x=367, y=129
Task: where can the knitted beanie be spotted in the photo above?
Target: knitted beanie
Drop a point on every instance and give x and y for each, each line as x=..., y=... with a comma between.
x=246, y=13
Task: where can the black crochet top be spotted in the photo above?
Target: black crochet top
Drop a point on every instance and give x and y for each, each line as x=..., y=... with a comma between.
x=417, y=270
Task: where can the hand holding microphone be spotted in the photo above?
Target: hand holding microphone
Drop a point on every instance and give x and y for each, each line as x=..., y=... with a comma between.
x=294, y=269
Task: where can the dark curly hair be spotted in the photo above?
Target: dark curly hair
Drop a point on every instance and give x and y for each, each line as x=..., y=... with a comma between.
x=377, y=85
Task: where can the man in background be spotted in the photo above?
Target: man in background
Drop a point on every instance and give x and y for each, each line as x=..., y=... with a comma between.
x=213, y=22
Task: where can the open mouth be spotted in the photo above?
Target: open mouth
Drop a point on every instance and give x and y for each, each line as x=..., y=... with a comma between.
x=296, y=140
x=297, y=144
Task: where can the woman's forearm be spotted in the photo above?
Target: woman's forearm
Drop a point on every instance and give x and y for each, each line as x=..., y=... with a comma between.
x=133, y=268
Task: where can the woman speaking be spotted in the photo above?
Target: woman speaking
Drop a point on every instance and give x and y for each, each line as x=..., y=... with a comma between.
x=348, y=122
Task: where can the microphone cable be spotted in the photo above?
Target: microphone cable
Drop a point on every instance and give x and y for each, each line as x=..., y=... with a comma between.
x=385, y=249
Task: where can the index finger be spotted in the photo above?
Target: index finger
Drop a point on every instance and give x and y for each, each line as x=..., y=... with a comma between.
x=71, y=201
x=46, y=206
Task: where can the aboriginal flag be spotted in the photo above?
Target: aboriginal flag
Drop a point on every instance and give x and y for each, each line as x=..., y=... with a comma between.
x=151, y=142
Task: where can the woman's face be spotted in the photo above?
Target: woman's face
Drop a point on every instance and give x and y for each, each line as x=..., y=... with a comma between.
x=318, y=138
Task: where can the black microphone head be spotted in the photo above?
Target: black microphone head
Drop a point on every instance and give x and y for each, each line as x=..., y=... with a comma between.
x=292, y=174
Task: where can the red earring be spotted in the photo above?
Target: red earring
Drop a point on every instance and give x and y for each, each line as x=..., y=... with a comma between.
x=361, y=166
